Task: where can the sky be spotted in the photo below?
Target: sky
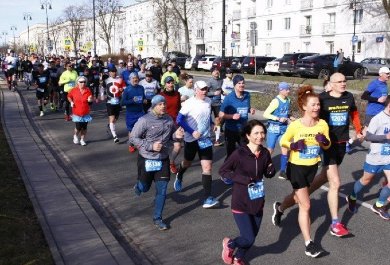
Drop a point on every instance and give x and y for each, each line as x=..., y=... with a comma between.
x=12, y=13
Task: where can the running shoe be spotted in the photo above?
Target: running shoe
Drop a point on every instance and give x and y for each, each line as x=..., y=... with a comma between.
x=82, y=142
x=381, y=211
x=227, y=181
x=173, y=168
x=75, y=139
x=41, y=114
x=160, y=224
x=313, y=250
x=177, y=185
x=282, y=175
x=136, y=190
x=351, y=204
x=339, y=230
x=227, y=253
x=210, y=202
x=116, y=139
x=217, y=143
x=237, y=261
x=132, y=149
x=277, y=215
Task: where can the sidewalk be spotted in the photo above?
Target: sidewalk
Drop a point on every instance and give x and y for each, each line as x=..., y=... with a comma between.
x=75, y=232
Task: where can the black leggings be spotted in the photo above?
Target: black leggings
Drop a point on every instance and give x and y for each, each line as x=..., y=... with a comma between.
x=67, y=103
x=232, y=139
x=81, y=126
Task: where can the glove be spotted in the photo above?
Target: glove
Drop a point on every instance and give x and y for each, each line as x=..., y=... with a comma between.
x=321, y=139
x=270, y=172
x=298, y=145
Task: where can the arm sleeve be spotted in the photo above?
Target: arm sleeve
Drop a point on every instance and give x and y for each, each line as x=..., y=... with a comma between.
x=181, y=121
x=367, y=96
x=271, y=108
x=375, y=138
x=285, y=141
x=356, y=121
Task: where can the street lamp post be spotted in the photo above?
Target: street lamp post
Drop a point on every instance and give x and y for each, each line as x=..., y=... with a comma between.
x=46, y=4
x=4, y=33
x=94, y=28
x=27, y=17
x=354, y=31
x=223, y=28
x=13, y=28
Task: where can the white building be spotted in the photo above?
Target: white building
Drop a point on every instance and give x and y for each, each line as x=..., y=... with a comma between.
x=261, y=27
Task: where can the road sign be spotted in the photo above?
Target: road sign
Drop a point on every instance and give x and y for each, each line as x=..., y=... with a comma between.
x=141, y=43
x=354, y=38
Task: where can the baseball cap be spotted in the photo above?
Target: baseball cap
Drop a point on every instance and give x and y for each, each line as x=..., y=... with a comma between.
x=168, y=79
x=112, y=69
x=120, y=61
x=384, y=70
x=200, y=84
x=283, y=86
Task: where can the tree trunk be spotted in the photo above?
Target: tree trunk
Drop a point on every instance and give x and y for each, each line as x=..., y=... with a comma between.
x=386, y=6
x=187, y=37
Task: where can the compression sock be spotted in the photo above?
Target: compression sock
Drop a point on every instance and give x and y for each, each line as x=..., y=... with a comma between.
x=206, y=182
x=385, y=193
x=112, y=129
x=357, y=187
x=283, y=162
x=40, y=108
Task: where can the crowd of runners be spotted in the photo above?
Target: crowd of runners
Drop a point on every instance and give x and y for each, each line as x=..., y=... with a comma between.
x=167, y=111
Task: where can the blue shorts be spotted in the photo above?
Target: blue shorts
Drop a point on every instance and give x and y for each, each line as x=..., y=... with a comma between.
x=373, y=169
x=132, y=118
x=273, y=137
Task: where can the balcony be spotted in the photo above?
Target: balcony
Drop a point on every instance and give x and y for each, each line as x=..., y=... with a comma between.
x=306, y=4
x=236, y=15
x=328, y=3
x=328, y=29
x=251, y=12
x=305, y=31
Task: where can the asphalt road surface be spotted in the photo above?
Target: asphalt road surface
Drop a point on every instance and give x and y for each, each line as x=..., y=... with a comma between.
x=106, y=173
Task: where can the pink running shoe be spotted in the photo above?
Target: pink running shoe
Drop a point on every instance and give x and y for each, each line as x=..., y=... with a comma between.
x=339, y=230
x=227, y=253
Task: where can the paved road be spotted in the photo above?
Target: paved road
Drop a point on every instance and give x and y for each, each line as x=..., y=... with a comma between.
x=105, y=172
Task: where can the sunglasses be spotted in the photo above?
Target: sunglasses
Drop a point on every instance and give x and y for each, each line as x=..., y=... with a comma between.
x=82, y=82
x=169, y=82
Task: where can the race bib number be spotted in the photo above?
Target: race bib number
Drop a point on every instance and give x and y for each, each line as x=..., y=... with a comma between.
x=42, y=79
x=309, y=152
x=256, y=190
x=149, y=94
x=54, y=75
x=338, y=118
x=243, y=112
x=114, y=101
x=138, y=99
x=274, y=128
x=72, y=84
x=204, y=143
x=96, y=77
x=153, y=165
x=385, y=151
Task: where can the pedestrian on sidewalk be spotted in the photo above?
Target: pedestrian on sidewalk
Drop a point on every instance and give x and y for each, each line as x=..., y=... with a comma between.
x=152, y=135
x=246, y=167
x=80, y=98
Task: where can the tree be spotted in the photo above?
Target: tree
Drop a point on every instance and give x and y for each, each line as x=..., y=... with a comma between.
x=162, y=14
x=56, y=28
x=386, y=6
x=107, y=12
x=74, y=17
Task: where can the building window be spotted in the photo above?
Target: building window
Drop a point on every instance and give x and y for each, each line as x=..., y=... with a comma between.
x=330, y=45
x=269, y=25
x=268, y=48
x=358, y=15
x=357, y=47
x=269, y=3
x=286, y=47
x=287, y=23
x=307, y=46
x=200, y=33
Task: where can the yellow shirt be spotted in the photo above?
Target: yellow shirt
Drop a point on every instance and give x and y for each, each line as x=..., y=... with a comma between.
x=296, y=131
x=68, y=79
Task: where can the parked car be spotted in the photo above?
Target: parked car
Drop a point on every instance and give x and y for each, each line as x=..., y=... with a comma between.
x=188, y=64
x=206, y=63
x=196, y=59
x=249, y=64
x=236, y=64
x=321, y=66
x=222, y=63
x=372, y=65
x=178, y=56
x=272, y=67
x=289, y=60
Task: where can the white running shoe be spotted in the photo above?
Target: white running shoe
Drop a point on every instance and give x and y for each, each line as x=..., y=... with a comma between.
x=75, y=139
x=82, y=142
x=41, y=114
